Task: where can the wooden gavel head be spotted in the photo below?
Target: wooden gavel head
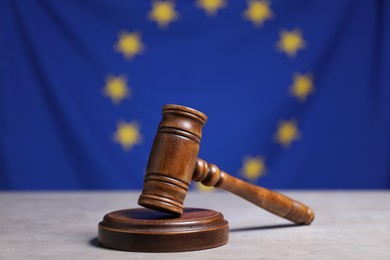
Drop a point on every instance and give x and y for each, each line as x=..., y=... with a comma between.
x=172, y=159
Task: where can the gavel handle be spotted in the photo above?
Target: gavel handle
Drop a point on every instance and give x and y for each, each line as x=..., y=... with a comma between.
x=276, y=203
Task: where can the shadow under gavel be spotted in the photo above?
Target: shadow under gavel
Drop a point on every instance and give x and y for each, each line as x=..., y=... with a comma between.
x=174, y=162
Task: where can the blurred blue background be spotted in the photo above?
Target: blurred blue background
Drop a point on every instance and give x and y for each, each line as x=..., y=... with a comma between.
x=297, y=92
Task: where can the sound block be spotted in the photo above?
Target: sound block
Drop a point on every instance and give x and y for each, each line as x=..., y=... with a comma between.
x=145, y=230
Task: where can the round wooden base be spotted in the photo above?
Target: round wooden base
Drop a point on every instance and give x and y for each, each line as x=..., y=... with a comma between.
x=145, y=230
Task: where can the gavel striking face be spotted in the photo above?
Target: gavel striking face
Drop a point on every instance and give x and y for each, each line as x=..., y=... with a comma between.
x=174, y=162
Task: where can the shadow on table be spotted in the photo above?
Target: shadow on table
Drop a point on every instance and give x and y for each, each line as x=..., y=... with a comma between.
x=95, y=242
x=263, y=227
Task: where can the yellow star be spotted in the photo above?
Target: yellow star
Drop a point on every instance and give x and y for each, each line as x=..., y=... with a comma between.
x=202, y=187
x=287, y=133
x=116, y=88
x=211, y=6
x=302, y=86
x=127, y=134
x=163, y=12
x=258, y=12
x=291, y=42
x=253, y=167
x=129, y=44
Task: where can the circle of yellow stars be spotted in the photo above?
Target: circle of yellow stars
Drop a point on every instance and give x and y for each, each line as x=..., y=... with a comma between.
x=258, y=12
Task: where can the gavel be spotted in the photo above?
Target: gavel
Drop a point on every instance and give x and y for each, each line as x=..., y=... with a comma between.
x=174, y=162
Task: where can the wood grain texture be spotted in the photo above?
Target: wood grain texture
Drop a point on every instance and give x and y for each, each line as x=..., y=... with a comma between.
x=174, y=162
x=274, y=202
x=172, y=159
x=144, y=230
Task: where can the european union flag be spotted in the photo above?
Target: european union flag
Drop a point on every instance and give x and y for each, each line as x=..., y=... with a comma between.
x=297, y=92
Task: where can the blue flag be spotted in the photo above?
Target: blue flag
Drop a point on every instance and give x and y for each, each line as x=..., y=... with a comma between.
x=297, y=92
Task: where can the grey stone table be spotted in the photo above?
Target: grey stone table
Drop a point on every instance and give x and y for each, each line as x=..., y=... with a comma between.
x=63, y=225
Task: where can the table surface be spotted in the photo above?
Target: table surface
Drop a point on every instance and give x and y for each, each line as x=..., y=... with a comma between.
x=63, y=225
